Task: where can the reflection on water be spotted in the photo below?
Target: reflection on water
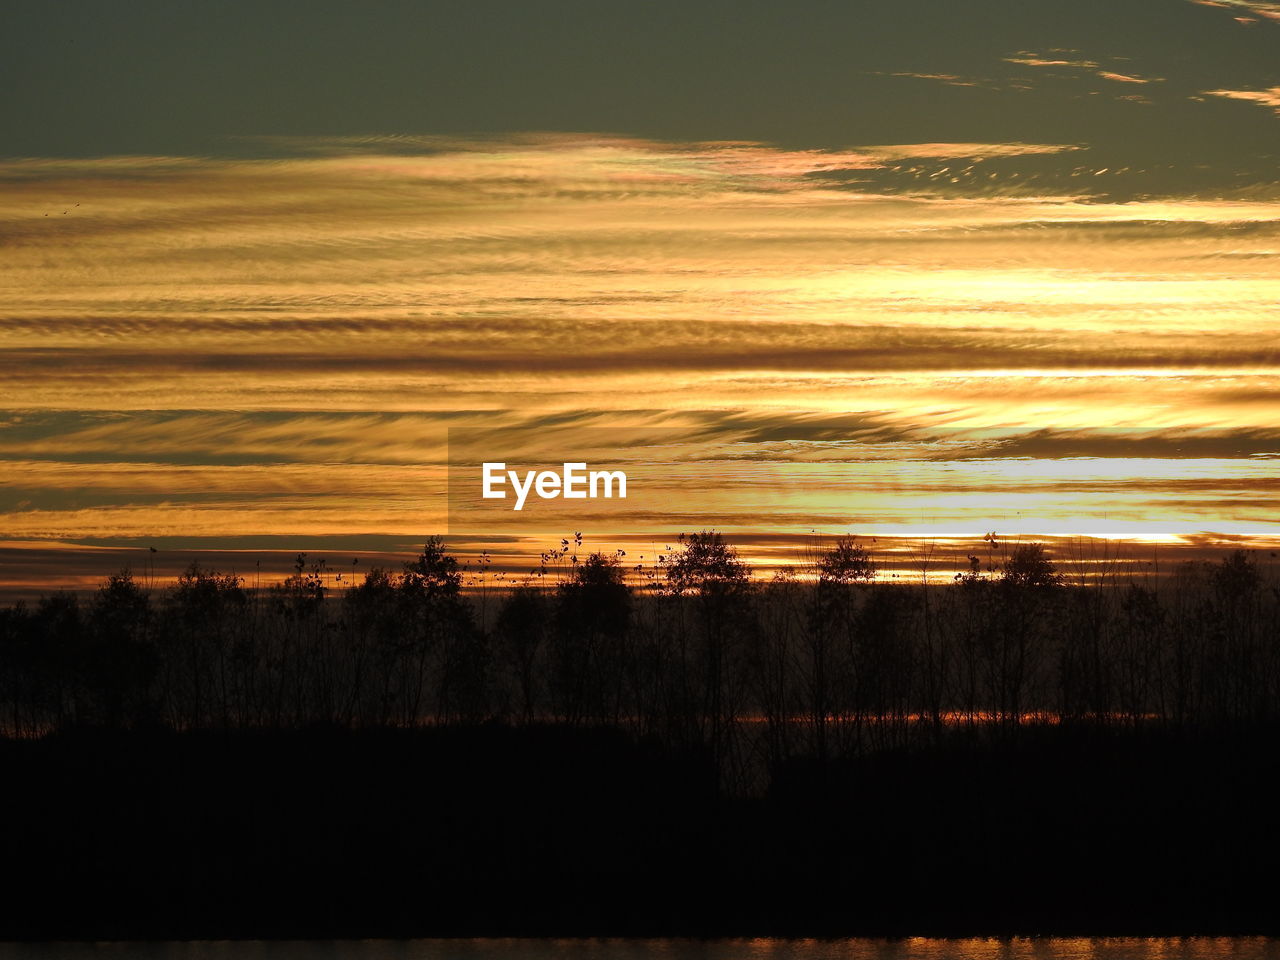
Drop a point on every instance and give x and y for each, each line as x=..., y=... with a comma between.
x=1195, y=948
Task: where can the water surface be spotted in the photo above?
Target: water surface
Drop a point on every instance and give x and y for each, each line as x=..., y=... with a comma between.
x=1194, y=948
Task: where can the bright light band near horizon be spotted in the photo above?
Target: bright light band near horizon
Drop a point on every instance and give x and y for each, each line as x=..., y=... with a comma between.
x=918, y=504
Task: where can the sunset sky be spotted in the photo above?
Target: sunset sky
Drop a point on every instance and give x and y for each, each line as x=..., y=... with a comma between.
x=917, y=272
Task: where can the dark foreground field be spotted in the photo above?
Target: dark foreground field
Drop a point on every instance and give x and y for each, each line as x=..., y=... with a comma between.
x=496, y=830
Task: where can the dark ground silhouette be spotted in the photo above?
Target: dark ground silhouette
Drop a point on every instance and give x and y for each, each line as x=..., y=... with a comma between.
x=548, y=831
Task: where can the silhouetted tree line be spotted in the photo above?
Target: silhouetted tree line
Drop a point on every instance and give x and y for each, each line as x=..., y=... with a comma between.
x=678, y=750
x=693, y=651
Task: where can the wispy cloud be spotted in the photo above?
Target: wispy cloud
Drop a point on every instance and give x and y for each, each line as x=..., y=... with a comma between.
x=1255, y=8
x=950, y=79
x=1108, y=71
x=968, y=151
x=1035, y=60
x=1123, y=77
x=1266, y=98
x=280, y=345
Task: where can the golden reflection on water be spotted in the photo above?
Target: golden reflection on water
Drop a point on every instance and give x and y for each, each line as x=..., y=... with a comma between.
x=911, y=948
x=923, y=948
